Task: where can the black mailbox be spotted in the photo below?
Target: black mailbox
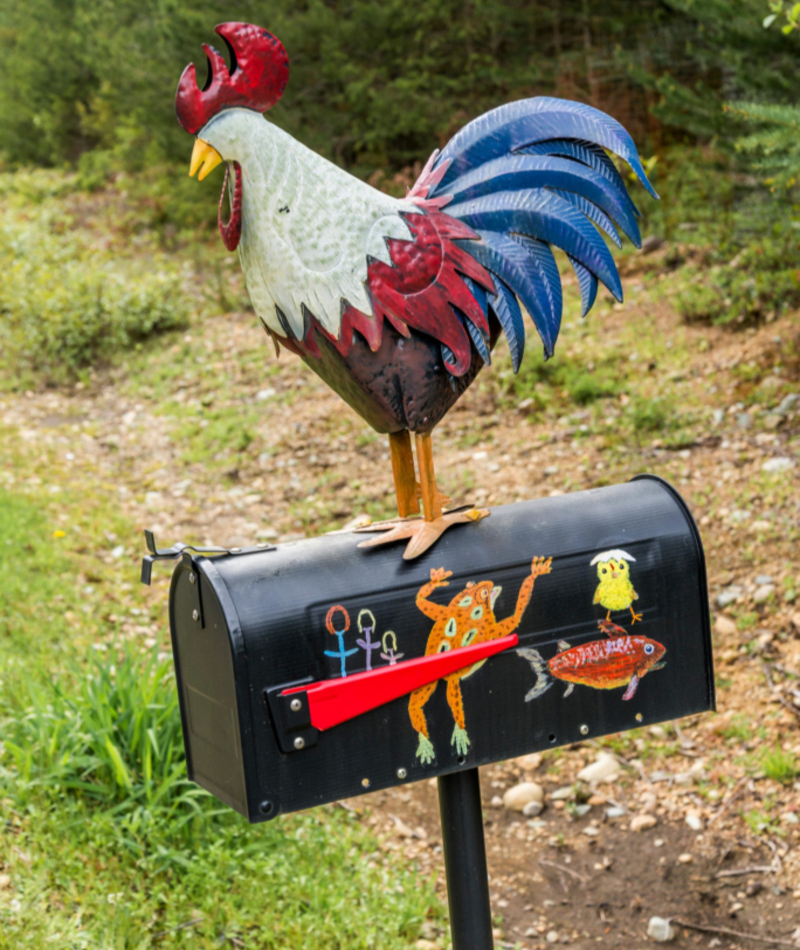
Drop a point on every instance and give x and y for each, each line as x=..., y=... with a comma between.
x=314, y=670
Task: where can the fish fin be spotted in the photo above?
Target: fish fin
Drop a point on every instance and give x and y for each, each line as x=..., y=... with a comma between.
x=539, y=667
x=568, y=690
x=563, y=645
x=596, y=596
x=658, y=666
x=635, y=596
x=631, y=687
x=538, y=690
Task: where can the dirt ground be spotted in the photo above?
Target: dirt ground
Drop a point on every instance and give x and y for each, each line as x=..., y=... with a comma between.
x=721, y=850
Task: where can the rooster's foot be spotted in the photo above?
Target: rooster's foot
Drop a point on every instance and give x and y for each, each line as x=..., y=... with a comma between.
x=441, y=498
x=422, y=533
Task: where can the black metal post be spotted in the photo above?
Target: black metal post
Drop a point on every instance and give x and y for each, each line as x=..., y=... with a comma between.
x=465, y=861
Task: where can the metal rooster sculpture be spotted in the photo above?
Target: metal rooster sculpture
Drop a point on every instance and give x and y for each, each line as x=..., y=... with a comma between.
x=397, y=303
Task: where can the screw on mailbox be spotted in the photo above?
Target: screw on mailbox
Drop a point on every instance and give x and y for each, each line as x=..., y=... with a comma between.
x=195, y=615
x=295, y=705
x=299, y=743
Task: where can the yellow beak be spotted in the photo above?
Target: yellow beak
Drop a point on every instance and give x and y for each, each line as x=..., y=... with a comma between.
x=204, y=158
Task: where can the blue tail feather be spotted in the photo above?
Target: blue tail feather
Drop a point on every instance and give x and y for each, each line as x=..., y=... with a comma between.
x=587, y=283
x=543, y=215
x=509, y=260
x=593, y=213
x=528, y=175
x=506, y=308
x=528, y=122
x=519, y=172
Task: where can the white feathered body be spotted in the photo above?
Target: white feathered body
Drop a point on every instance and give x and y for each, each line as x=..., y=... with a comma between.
x=308, y=227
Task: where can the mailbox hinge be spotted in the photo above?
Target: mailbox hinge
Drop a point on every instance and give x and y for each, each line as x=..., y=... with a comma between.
x=291, y=716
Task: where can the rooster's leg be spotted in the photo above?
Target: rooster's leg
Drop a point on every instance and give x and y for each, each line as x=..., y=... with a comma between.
x=431, y=499
x=423, y=532
x=405, y=481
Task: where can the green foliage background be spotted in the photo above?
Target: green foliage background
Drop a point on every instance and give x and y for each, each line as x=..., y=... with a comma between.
x=705, y=88
x=375, y=84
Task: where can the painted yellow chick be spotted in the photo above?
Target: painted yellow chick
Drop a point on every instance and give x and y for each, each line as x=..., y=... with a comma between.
x=615, y=590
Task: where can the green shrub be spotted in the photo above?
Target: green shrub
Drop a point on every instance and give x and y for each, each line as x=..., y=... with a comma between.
x=650, y=415
x=65, y=303
x=762, y=281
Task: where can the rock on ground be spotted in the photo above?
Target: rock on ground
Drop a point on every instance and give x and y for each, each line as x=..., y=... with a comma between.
x=517, y=797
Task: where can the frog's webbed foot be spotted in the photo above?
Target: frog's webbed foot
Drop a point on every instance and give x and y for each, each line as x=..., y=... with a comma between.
x=425, y=752
x=460, y=740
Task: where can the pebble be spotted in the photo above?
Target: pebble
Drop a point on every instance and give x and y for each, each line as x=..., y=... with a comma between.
x=786, y=404
x=263, y=394
x=660, y=775
x=496, y=802
x=517, y=797
x=591, y=831
x=552, y=936
x=562, y=794
x=724, y=626
x=661, y=930
x=695, y=774
x=685, y=858
x=764, y=579
x=605, y=768
x=744, y=420
x=795, y=619
x=649, y=803
x=615, y=812
x=763, y=593
x=729, y=596
x=695, y=822
x=5, y=881
x=658, y=843
x=642, y=822
x=779, y=464
x=581, y=810
x=528, y=763
x=532, y=809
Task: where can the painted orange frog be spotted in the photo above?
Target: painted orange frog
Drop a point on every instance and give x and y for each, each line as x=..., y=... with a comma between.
x=468, y=619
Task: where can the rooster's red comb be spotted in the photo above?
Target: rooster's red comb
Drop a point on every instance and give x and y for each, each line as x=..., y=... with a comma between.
x=256, y=80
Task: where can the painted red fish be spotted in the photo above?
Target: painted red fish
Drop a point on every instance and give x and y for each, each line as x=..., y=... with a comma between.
x=621, y=659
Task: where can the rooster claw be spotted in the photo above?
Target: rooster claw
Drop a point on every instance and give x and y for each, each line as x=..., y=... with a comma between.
x=423, y=534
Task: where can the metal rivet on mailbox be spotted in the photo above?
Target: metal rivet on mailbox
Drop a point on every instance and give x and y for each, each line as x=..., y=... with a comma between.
x=584, y=730
x=295, y=705
x=195, y=615
x=192, y=578
x=401, y=774
x=299, y=742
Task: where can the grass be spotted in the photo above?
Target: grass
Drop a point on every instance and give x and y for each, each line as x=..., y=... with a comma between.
x=779, y=765
x=107, y=843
